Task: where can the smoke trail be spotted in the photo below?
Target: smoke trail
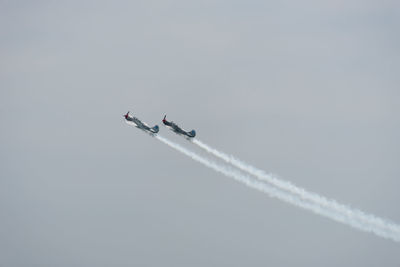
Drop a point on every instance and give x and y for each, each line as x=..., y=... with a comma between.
x=285, y=196
x=302, y=193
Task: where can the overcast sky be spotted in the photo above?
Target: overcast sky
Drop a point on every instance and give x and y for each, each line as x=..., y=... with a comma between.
x=308, y=90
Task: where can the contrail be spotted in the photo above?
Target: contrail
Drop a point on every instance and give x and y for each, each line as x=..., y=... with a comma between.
x=302, y=193
x=286, y=196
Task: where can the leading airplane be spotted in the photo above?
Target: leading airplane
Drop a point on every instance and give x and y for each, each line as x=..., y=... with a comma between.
x=177, y=129
x=141, y=125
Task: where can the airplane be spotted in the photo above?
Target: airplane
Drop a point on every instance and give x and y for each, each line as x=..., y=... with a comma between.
x=141, y=125
x=177, y=129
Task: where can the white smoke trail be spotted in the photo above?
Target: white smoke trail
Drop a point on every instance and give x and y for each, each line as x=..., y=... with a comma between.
x=302, y=193
x=285, y=196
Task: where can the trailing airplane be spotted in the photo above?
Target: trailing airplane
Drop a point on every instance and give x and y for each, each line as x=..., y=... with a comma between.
x=141, y=125
x=177, y=129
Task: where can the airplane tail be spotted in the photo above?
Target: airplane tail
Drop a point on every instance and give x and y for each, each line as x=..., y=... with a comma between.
x=155, y=129
x=192, y=133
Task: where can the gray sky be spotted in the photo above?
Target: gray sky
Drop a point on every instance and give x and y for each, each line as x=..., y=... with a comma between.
x=308, y=90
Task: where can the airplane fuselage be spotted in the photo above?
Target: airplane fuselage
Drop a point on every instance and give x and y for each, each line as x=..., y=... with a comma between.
x=178, y=130
x=139, y=124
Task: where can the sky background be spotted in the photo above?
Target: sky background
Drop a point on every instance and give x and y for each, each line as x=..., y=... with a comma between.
x=308, y=90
